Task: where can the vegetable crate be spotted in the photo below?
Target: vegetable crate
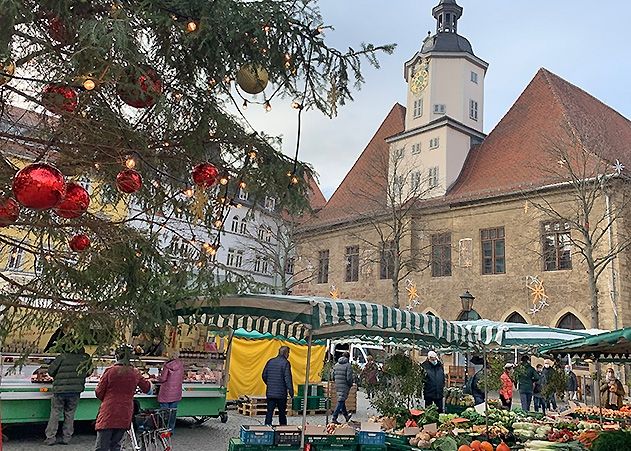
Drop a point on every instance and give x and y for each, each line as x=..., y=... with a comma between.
x=371, y=448
x=397, y=440
x=256, y=437
x=287, y=438
x=314, y=390
x=313, y=403
x=237, y=445
x=331, y=440
x=371, y=438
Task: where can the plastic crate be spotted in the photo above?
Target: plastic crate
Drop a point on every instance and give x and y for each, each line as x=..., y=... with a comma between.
x=287, y=438
x=397, y=440
x=314, y=390
x=371, y=448
x=254, y=437
x=371, y=438
x=236, y=444
x=313, y=403
x=332, y=440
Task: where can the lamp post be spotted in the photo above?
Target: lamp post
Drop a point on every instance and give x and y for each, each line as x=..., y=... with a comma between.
x=467, y=299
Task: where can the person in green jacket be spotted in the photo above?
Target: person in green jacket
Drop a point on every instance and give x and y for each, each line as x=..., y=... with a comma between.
x=69, y=370
x=527, y=376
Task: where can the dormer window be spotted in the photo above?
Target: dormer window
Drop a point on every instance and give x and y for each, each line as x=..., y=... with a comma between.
x=440, y=108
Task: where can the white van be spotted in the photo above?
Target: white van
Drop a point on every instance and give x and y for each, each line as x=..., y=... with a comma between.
x=359, y=351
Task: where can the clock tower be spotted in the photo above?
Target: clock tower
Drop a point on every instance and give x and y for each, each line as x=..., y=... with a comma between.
x=445, y=108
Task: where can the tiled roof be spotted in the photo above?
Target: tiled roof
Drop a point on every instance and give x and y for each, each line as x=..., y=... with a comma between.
x=516, y=154
x=364, y=187
x=316, y=198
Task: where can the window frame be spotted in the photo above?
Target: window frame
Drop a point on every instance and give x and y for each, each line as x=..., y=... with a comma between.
x=15, y=259
x=434, y=143
x=270, y=203
x=558, y=247
x=416, y=148
x=234, y=226
x=243, y=226
x=417, y=108
x=473, y=110
x=493, y=237
x=386, y=262
x=243, y=194
x=351, y=257
x=432, y=177
x=440, y=108
x=474, y=77
x=323, y=266
x=416, y=179
x=289, y=265
x=442, y=267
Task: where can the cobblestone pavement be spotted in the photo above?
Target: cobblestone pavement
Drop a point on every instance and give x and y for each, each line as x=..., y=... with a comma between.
x=212, y=436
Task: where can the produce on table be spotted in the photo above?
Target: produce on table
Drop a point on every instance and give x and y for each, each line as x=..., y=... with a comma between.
x=612, y=440
x=540, y=445
x=592, y=411
x=587, y=438
x=562, y=436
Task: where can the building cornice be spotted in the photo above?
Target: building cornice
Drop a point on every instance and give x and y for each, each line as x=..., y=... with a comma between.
x=435, y=124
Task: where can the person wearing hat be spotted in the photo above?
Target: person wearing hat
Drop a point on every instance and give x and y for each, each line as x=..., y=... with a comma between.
x=434, y=381
x=506, y=391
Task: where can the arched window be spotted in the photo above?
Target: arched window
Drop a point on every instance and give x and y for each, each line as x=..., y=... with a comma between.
x=234, y=227
x=244, y=226
x=570, y=321
x=516, y=318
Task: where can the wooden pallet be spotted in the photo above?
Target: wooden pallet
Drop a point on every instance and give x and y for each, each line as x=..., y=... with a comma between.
x=250, y=410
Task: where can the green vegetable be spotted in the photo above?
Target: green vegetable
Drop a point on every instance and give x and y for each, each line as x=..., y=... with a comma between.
x=612, y=441
x=445, y=443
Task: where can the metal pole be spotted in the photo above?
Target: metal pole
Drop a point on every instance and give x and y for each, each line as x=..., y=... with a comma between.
x=486, y=394
x=304, y=407
x=600, y=400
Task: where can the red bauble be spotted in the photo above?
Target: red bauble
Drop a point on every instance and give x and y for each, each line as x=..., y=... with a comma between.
x=79, y=243
x=129, y=181
x=59, y=99
x=9, y=211
x=205, y=175
x=141, y=87
x=59, y=31
x=39, y=186
x=75, y=203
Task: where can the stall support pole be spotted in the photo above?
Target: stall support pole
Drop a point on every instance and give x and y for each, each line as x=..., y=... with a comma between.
x=600, y=398
x=306, y=393
x=486, y=393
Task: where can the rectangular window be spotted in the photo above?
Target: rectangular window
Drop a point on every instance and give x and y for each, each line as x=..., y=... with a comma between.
x=352, y=264
x=323, y=266
x=418, y=108
x=399, y=153
x=434, y=143
x=386, y=261
x=289, y=265
x=265, y=266
x=231, y=257
x=493, y=251
x=415, y=180
x=416, y=148
x=270, y=203
x=16, y=256
x=432, y=178
x=474, y=77
x=257, y=263
x=557, y=246
x=243, y=194
x=238, y=260
x=440, y=108
x=441, y=255
x=473, y=110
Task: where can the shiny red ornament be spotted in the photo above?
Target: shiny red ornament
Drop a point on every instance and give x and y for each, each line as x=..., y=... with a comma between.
x=75, y=202
x=59, y=30
x=9, y=211
x=205, y=175
x=129, y=181
x=39, y=186
x=141, y=87
x=59, y=99
x=79, y=243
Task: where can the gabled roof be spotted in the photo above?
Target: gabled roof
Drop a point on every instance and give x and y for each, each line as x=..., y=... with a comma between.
x=516, y=154
x=315, y=196
x=364, y=187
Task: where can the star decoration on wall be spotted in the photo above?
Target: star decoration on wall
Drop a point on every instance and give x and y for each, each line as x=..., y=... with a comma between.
x=410, y=287
x=618, y=167
x=537, y=294
x=334, y=293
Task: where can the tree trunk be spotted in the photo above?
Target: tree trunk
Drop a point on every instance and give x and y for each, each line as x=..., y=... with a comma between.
x=593, y=293
x=395, y=292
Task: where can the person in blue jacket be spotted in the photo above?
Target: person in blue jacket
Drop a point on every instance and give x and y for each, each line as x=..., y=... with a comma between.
x=277, y=377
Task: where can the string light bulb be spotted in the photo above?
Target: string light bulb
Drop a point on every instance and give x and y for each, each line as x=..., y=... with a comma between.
x=191, y=26
x=223, y=180
x=130, y=162
x=218, y=223
x=267, y=28
x=188, y=192
x=268, y=106
x=89, y=84
x=245, y=104
x=294, y=180
x=252, y=154
x=242, y=184
x=295, y=105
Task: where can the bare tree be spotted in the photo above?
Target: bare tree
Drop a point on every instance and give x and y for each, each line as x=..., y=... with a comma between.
x=584, y=202
x=386, y=204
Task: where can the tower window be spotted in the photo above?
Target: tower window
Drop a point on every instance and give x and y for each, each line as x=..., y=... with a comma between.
x=432, y=179
x=416, y=148
x=434, y=143
x=474, y=77
x=418, y=108
x=473, y=110
x=440, y=108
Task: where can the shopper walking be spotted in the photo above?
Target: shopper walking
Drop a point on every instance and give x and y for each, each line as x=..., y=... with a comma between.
x=116, y=390
x=526, y=377
x=343, y=378
x=434, y=381
x=571, y=384
x=277, y=377
x=170, y=393
x=69, y=370
x=612, y=391
x=506, y=389
x=369, y=376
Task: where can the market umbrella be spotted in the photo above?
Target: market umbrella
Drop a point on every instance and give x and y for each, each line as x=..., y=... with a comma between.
x=614, y=345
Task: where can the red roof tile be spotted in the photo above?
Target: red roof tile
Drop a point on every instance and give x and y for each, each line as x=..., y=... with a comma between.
x=316, y=198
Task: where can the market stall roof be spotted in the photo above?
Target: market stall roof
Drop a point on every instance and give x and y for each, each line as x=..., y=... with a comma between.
x=520, y=336
x=608, y=345
x=295, y=316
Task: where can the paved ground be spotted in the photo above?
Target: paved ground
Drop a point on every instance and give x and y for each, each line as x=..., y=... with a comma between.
x=212, y=436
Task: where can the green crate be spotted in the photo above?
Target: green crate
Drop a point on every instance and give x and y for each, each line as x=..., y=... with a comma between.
x=371, y=448
x=237, y=445
x=313, y=403
x=314, y=390
x=397, y=440
x=332, y=440
x=333, y=448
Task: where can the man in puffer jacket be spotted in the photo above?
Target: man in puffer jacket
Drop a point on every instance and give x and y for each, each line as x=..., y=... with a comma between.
x=277, y=377
x=69, y=371
x=343, y=377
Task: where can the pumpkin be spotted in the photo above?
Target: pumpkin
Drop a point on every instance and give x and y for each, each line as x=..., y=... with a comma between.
x=502, y=447
x=475, y=445
x=464, y=448
x=486, y=446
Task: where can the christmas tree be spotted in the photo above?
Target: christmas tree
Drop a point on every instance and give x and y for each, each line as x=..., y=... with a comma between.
x=122, y=147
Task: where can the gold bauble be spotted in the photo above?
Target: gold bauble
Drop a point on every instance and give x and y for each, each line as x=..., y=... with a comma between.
x=7, y=69
x=252, y=79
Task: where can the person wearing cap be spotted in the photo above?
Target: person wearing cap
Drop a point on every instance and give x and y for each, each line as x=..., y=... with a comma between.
x=434, y=381
x=506, y=390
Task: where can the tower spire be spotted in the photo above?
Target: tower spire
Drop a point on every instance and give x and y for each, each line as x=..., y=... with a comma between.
x=447, y=13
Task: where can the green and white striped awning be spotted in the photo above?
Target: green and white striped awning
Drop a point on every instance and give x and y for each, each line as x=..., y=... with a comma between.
x=295, y=316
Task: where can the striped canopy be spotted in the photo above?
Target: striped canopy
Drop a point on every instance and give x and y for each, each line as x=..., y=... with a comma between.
x=518, y=335
x=611, y=346
x=295, y=316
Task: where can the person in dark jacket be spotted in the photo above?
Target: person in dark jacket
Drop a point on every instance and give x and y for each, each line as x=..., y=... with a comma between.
x=69, y=370
x=548, y=370
x=526, y=377
x=537, y=390
x=477, y=386
x=277, y=377
x=571, y=386
x=434, y=381
x=343, y=377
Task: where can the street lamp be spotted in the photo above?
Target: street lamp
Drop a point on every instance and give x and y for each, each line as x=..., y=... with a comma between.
x=467, y=301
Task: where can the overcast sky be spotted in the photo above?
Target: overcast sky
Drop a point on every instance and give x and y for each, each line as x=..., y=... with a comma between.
x=584, y=41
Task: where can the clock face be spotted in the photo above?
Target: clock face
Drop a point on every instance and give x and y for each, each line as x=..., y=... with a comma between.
x=419, y=81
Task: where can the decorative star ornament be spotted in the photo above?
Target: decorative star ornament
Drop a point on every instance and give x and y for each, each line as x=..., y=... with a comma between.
x=334, y=293
x=618, y=167
x=537, y=294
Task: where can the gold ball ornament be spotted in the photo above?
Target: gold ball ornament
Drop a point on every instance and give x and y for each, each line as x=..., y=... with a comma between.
x=7, y=69
x=252, y=79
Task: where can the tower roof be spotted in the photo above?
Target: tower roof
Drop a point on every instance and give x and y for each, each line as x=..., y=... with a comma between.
x=447, y=39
